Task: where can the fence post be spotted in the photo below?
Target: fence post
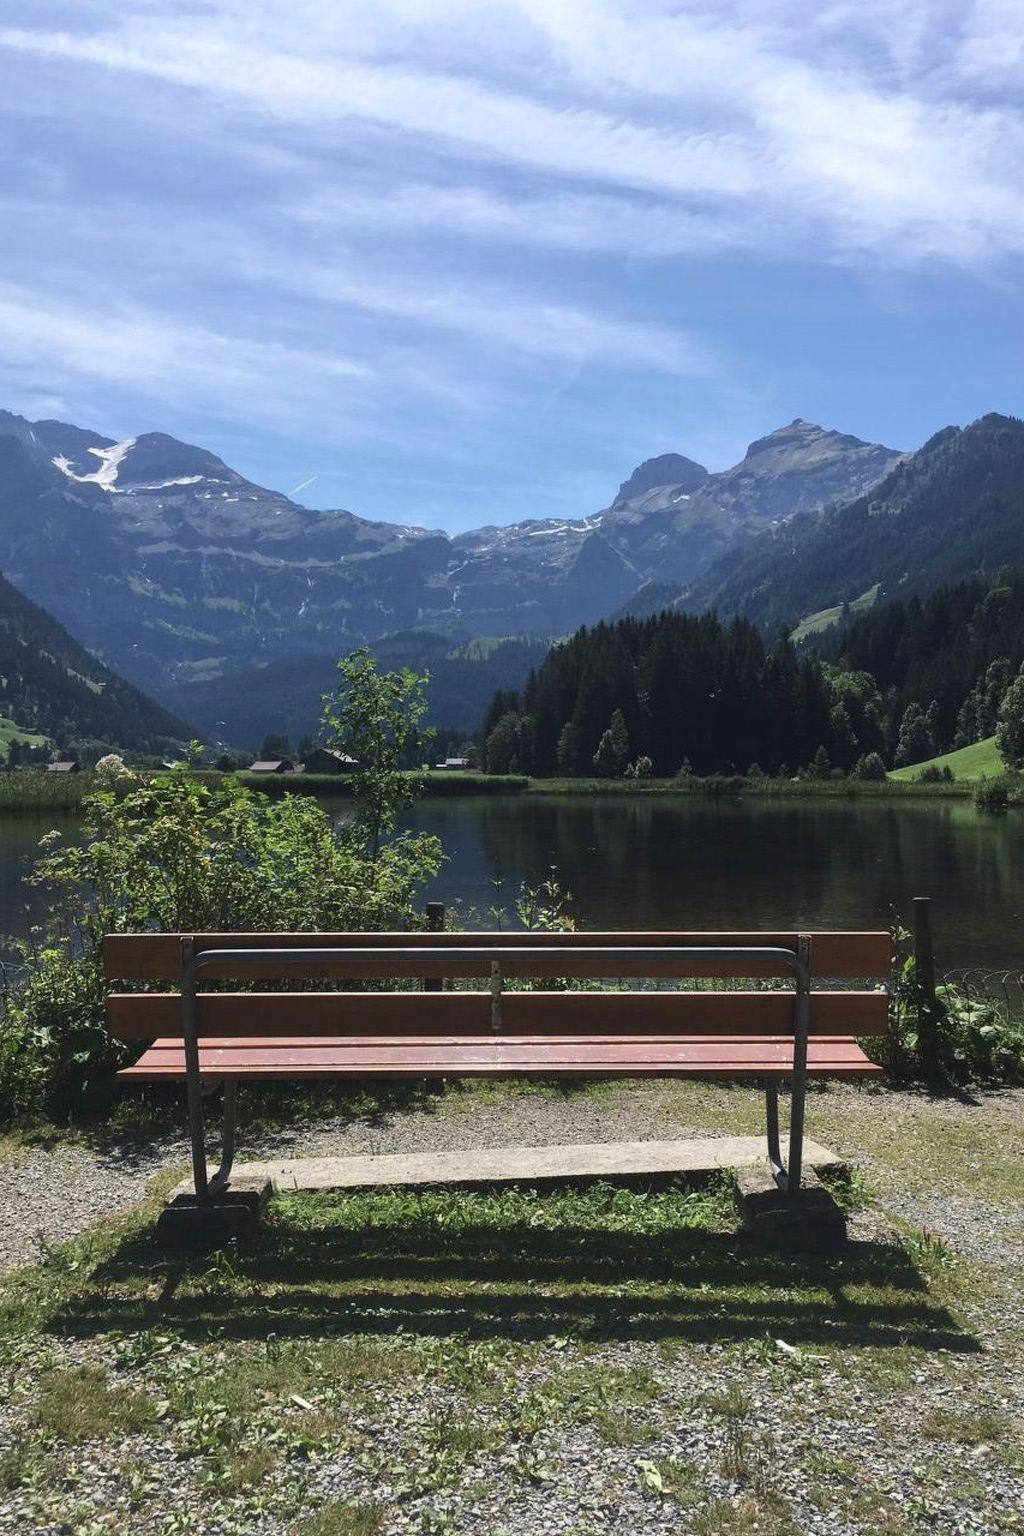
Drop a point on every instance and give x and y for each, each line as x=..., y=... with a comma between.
x=924, y=965
x=435, y=924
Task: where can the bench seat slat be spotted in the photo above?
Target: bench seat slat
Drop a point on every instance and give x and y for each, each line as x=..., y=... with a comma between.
x=146, y=1015
x=157, y=956
x=482, y=1056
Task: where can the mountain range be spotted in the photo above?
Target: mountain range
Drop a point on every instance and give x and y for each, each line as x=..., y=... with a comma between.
x=172, y=567
x=229, y=602
x=51, y=686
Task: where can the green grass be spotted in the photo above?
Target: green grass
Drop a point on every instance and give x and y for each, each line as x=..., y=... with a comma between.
x=485, y=1331
x=825, y=618
x=11, y=731
x=981, y=760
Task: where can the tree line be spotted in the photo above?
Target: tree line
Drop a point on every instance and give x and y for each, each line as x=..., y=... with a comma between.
x=675, y=692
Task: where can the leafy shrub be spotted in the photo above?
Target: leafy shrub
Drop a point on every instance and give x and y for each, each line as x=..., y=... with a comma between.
x=978, y=1038
x=869, y=767
x=993, y=796
x=178, y=854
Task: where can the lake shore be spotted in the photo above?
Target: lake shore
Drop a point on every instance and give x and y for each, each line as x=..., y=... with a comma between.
x=35, y=791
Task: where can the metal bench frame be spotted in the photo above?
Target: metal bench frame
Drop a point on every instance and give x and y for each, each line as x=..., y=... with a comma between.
x=787, y=1175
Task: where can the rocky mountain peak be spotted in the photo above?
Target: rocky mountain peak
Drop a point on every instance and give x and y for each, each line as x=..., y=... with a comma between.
x=667, y=469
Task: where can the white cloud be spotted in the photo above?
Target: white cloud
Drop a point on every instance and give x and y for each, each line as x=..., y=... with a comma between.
x=561, y=220
x=165, y=361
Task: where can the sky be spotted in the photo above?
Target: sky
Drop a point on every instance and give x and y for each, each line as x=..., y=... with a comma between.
x=457, y=262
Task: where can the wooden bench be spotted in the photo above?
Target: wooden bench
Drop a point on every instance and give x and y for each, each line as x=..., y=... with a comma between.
x=769, y=1034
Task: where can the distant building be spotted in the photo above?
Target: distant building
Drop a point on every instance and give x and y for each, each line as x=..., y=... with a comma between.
x=326, y=760
x=273, y=765
x=62, y=767
x=453, y=764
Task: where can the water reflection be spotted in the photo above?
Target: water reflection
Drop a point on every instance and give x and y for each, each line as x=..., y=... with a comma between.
x=688, y=863
x=705, y=864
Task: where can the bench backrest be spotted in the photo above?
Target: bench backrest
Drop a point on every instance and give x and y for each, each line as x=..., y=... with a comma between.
x=865, y=957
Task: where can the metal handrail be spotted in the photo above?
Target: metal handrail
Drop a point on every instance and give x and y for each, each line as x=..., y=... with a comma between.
x=788, y=1178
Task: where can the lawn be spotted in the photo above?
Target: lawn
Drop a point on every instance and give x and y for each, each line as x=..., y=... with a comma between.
x=10, y=731
x=981, y=760
x=590, y=1360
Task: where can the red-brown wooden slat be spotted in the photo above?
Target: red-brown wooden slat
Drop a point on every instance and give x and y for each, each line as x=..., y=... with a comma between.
x=482, y=1057
x=157, y=957
x=144, y=1016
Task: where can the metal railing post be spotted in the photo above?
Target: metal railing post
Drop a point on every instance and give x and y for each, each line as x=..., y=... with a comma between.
x=193, y=1082
x=924, y=971
x=435, y=924
x=801, y=1029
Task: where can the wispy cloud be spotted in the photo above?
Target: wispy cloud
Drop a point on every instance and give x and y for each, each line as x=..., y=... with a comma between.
x=709, y=108
x=168, y=361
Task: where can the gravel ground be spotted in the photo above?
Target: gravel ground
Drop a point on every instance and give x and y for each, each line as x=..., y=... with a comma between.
x=849, y=1443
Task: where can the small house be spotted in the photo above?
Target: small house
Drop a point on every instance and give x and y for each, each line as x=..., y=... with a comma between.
x=326, y=760
x=272, y=765
x=65, y=766
x=453, y=764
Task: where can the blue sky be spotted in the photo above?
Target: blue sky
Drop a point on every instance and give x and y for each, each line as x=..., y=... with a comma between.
x=458, y=262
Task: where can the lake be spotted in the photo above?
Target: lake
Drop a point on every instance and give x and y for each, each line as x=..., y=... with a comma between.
x=692, y=863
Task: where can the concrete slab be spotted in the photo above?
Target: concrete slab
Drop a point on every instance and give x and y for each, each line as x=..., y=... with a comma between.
x=618, y=1160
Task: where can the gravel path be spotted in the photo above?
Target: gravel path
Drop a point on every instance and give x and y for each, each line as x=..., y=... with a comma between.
x=861, y=1442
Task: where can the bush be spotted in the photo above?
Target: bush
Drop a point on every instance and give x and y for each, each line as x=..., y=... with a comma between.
x=993, y=796
x=978, y=1038
x=870, y=767
x=179, y=854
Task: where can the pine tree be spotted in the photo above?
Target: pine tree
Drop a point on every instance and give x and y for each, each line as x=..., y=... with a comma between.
x=821, y=767
x=915, y=741
x=612, y=753
x=568, y=754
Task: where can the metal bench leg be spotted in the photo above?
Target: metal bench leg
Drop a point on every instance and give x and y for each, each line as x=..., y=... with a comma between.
x=193, y=1081
x=788, y=1178
x=771, y=1097
x=223, y=1174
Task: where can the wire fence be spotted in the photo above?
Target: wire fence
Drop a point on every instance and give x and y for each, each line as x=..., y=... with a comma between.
x=980, y=983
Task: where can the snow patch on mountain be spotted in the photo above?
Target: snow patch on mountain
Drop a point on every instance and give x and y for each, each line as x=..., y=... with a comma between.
x=110, y=461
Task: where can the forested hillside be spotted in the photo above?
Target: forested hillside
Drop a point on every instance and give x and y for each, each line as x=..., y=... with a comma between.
x=52, y=685
x=954, y=653
x=906, y=681
x=686, y=689
x=285, y=696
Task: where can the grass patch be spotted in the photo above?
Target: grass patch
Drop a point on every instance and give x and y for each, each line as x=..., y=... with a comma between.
x=746, y=1516
x=979, y=1426
x=342, y=1519
x=79, y=1404
x=980, y=760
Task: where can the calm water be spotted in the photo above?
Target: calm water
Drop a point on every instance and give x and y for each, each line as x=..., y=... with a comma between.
x=690, y=863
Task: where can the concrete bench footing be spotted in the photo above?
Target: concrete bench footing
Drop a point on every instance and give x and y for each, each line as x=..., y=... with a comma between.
x=486, y=1167
x=808, y=1222
x=234, y=1212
